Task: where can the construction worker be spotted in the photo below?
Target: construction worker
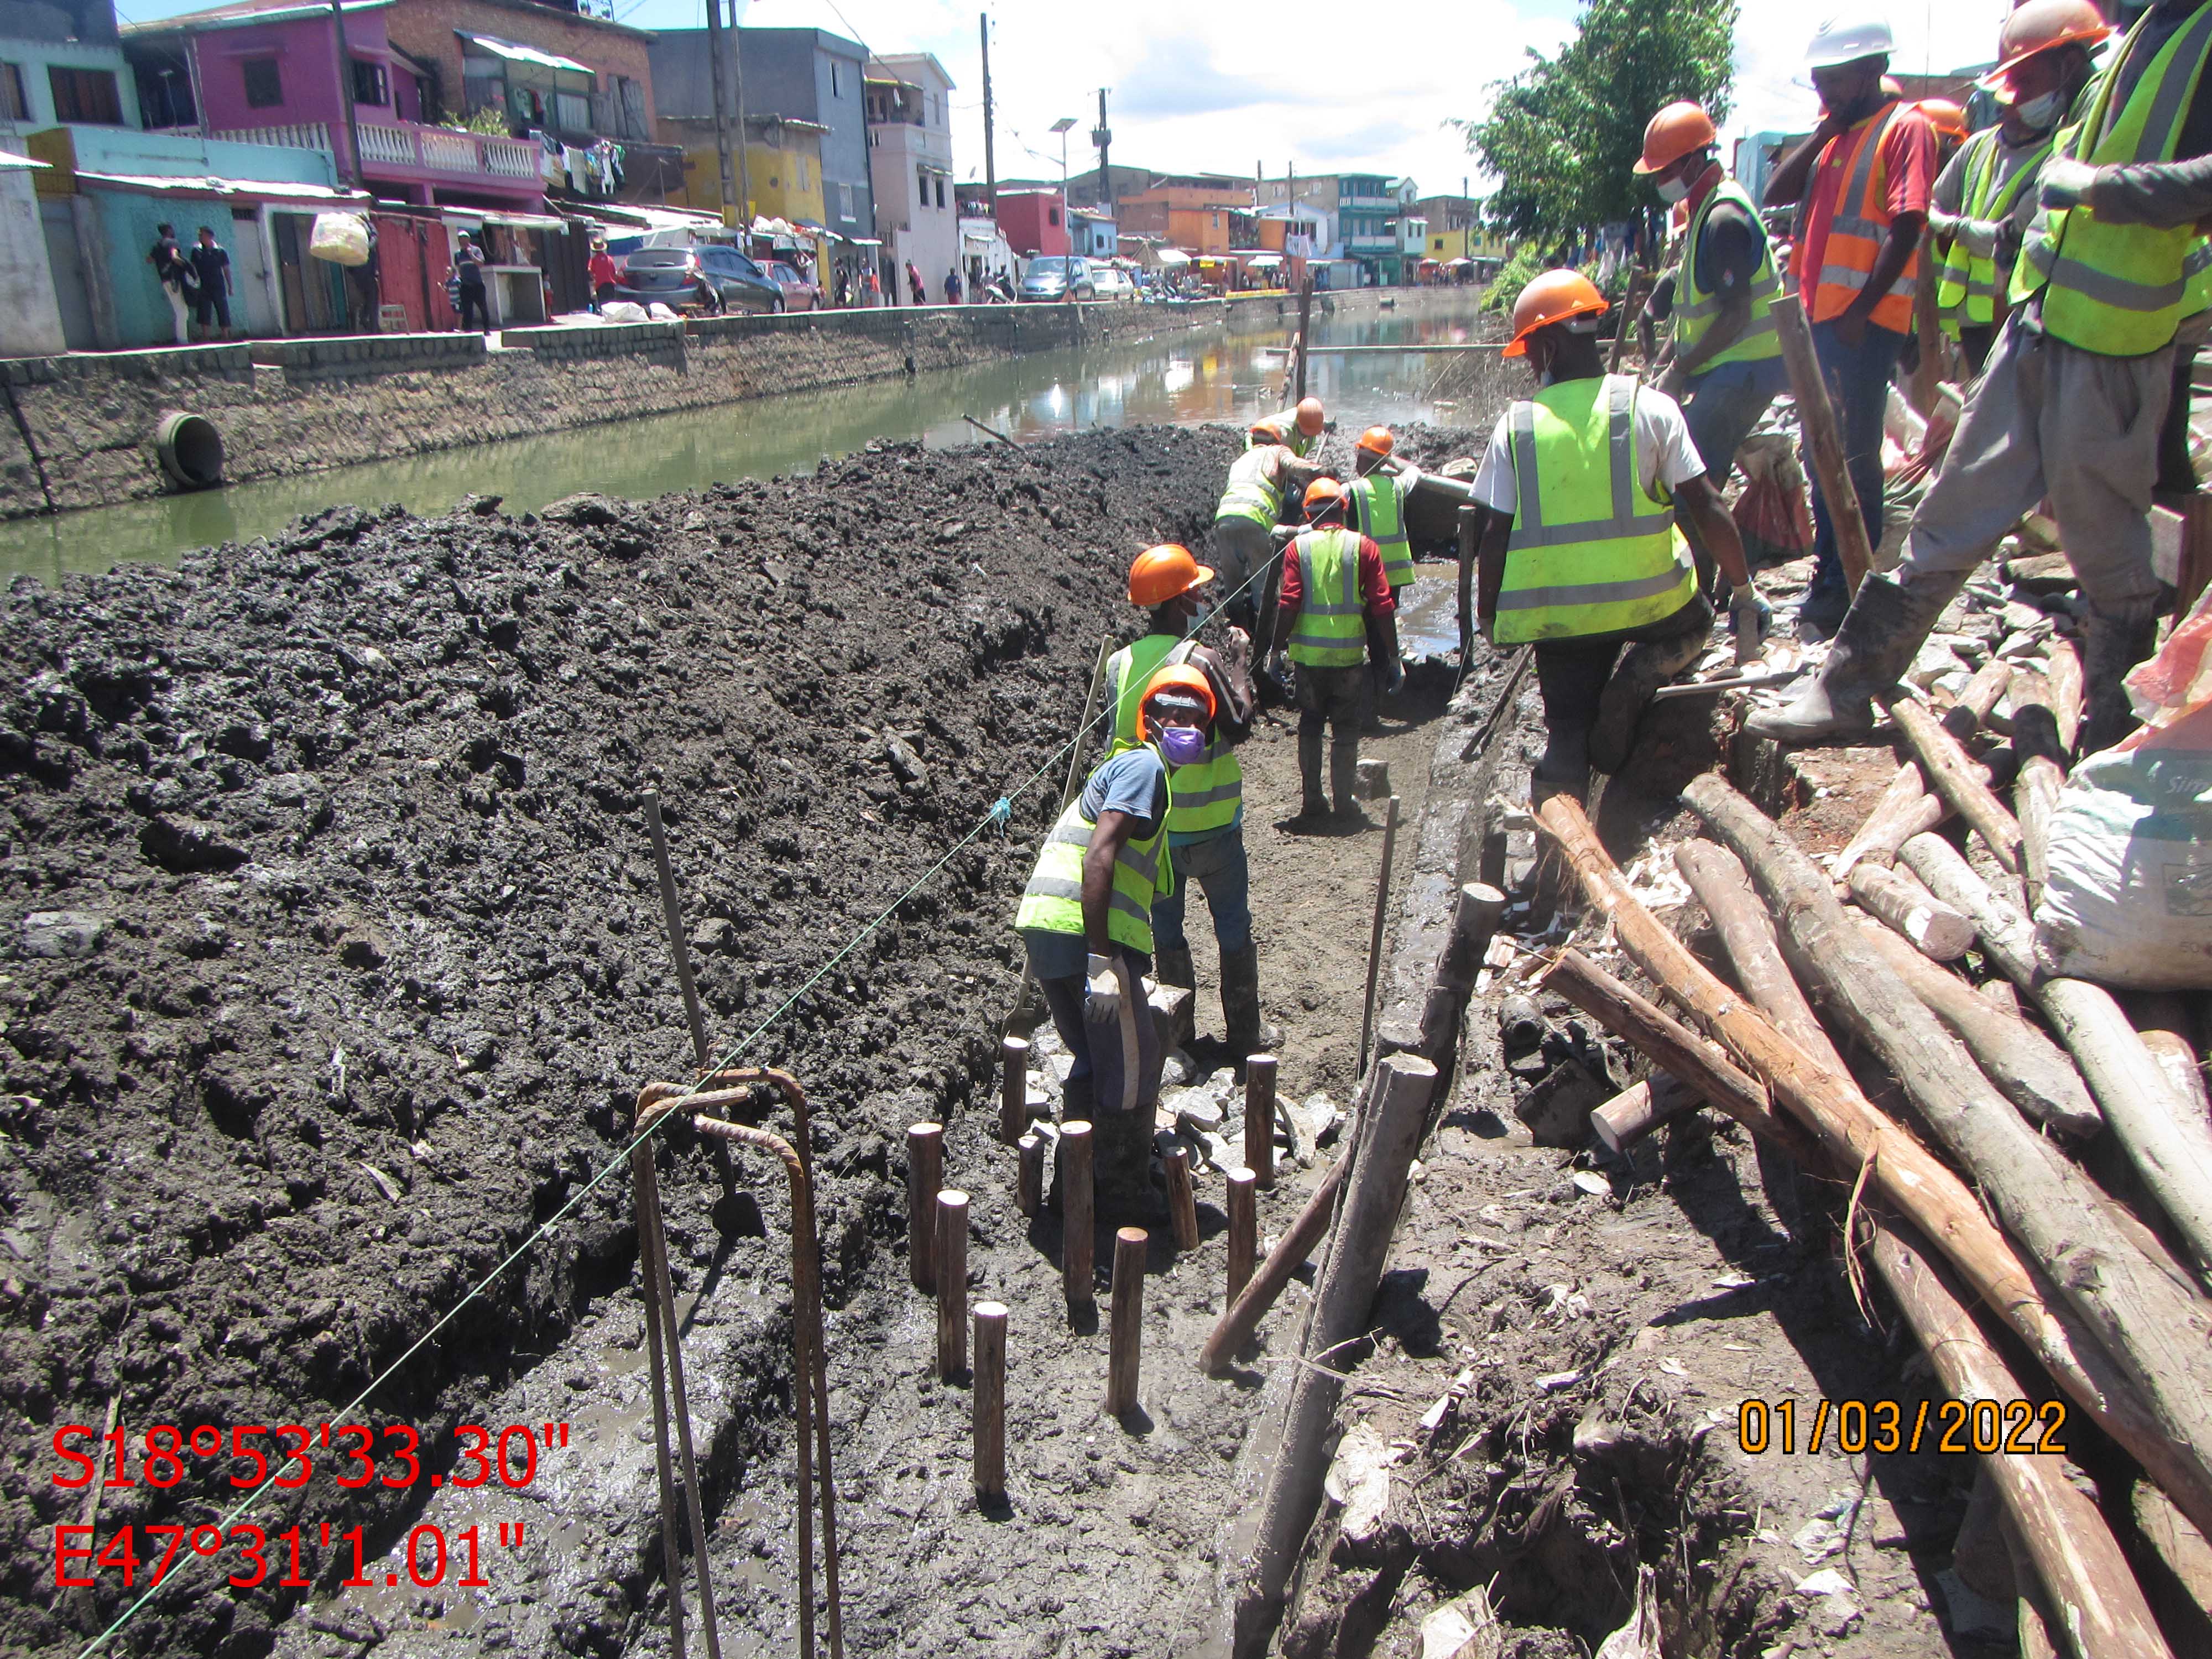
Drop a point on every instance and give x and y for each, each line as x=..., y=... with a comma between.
x=1725, y=365
x=1864, y=177
x=1985, y=199
x=1578, y=551
x=1335, y=616
x=2071, y=403
x=1297, y=428
x=1375, y=502
x=1086, y=922
x=1245, y=522
x=1206, y=825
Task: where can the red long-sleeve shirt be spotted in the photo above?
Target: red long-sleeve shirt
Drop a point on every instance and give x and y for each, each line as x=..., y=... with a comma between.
x=1374, y=585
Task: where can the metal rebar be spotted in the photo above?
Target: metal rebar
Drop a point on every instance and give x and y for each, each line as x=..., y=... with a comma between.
x=648, y=1270
x=674, y=916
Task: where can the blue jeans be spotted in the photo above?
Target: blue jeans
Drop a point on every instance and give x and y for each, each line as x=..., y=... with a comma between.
x=1722, y=405
x=1858, y=386
x=1219, y=865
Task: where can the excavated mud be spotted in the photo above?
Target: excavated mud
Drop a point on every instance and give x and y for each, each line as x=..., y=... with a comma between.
x=361, y=963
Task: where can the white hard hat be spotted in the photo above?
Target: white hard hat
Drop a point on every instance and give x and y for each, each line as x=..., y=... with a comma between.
x=1847, y=36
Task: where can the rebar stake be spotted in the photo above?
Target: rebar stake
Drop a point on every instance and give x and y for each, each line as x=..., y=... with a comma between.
x=1260, y=1118
x=924, y=1166
x=1243, y=1230
x=951, y=1267
x=1013, y=1089
x=1076, y=1213
x=990, y=1419
x=1126, y=1340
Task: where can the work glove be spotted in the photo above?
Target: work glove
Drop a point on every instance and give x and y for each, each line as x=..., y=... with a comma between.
x=1977, y=236
x=2066, y=182
x=1237, y=649
x=1279, y=666
x=1749, y=616
x=1391, y=676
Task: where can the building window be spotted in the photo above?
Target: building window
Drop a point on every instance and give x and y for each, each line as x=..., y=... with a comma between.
x=85, y=96
x=845, y=202
x=922, y=179
x=572, y=110
x=941, y=192
x=265, y=86
x=1052, y=217
x=14, y=107
x=805, y=174
x=836, y=87
x=370, y=84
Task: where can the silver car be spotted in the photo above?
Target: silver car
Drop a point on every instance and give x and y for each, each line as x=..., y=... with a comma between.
x=1051, y=276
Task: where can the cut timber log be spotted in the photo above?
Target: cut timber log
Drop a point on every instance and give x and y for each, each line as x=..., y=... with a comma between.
x=2171, y=1149
x=2029, y=1069
x=1935, y=929
x=1635, y=1112
x=1953, y=774
x=1906, y=808
x=1854, y=1134
x=2160, y=1334
x=2179, y=1061
x=1243, y=1316
x=2087, y=1579
x=1823, y=439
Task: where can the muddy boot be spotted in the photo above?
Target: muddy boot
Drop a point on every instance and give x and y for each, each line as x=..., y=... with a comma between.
x=1175, y=967
x=1642, y=669
x=2111, y=646
x=1876, y=643
x=1122, y=1168
x=1313, y=804
x=1240, y=1005
x=1343, y=776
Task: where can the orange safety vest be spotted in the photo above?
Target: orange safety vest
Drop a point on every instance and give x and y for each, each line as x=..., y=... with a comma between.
x=1858, y=229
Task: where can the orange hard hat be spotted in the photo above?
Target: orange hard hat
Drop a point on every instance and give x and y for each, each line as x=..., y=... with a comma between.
x=1945, y=116
x=1179, y=678
x=1675, y=131
x=1324, y=493
x=2039, y=25
x=1310, y=415
x=1164, y=573
x=1376, y=441
x=1263, y=432
x=1557, y=296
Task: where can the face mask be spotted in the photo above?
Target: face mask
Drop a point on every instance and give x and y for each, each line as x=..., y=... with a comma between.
x=1672, y=190
x=2041, y=114
x=1182, y=744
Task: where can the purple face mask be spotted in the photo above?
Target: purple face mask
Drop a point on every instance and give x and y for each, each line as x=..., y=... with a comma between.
x=1182, y=744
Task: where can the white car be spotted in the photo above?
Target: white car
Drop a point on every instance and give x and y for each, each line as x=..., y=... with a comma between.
x=1108, y=283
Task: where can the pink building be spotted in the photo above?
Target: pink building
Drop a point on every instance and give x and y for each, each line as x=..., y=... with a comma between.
x=1033, y=221
x=268, y=74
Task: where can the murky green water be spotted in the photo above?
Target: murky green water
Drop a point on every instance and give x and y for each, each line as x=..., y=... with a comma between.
x=1183, y=379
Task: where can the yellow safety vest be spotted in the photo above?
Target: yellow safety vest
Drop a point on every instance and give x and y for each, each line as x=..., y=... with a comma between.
x=2121, y=290
x=1209, y=792
x=1695, y=309
x=1284, y=425
x=1966, y=291
x=1053, y=901
x=1251, y=494
x=1381, y=516
x=1331, y=631
x=1592, y=551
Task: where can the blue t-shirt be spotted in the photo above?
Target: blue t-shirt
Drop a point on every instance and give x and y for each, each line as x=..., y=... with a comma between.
x=1134, y=781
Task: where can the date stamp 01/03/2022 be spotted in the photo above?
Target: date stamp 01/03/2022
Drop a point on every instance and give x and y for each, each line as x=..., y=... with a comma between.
x=2021, y=1427
x=287, y=1457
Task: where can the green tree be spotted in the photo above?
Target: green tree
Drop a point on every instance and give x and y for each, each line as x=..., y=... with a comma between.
x=1562, y=136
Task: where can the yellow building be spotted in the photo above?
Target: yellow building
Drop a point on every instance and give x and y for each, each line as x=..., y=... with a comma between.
x=783, y=159
x=1456, y=231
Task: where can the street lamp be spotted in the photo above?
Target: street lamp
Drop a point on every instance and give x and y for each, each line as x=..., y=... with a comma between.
x=1061, y=126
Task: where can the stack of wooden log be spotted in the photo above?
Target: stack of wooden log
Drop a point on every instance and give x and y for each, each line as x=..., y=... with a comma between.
x=2052, y=1178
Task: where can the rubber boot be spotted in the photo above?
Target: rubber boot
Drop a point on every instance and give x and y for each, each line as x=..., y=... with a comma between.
x=1642, y=669
x=2111, y=646
x=1240, y=1005
x=1877, y=642
x=1344, y=775
x=1175, y=967
x=1314, y=803
x=1121, y=1167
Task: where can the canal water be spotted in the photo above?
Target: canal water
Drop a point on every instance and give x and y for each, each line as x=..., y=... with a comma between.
x=1183, y=379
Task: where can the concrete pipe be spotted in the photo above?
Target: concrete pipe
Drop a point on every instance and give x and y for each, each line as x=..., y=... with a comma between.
x=189, y=450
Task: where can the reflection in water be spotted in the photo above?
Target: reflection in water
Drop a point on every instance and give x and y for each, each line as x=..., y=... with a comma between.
x=1184, y=380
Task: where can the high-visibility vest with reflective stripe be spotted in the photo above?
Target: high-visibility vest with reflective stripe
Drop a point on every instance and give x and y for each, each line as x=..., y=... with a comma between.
x=1860, y=227
x=1380, y=517
x=1966, y=290
x=1252, y=494
x=1053, y=901
x=2121, y=290
x=1695, y=309
x=1209, y=792
x=1284, y=425
x=1331, y=631
x=1592, y=551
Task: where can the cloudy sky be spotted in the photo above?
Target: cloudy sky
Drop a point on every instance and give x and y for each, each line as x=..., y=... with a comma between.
x=1329, y=85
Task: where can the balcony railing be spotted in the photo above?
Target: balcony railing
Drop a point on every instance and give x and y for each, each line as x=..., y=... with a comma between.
x=414, y=146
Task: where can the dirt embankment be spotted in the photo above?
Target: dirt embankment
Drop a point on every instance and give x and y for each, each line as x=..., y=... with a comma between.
x=370, y=960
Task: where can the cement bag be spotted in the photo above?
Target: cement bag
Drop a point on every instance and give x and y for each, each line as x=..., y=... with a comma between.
x=341, y=237
x=623, y=311
x=2128, y=901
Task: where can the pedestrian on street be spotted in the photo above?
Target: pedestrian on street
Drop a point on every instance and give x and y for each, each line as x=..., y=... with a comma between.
x=1206, y=825
x=211, y=266
x=2071, y=403
x=875, y=286
x=1563, y=566
x=171, y=271
x=953, y=285
x=468, y=295
x=1865, y=177
x=915, y=285
x=1724, y=363
x=1334, y=617
x=605, y=281
x=1086, y=923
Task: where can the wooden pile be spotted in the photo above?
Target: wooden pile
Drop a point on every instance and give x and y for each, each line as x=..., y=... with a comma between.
x=2057, y=1182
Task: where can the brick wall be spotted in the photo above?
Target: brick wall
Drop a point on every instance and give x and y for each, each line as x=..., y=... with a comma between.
x=426, y=28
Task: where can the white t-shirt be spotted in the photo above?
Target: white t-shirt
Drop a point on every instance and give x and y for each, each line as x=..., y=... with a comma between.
x=1664, y=452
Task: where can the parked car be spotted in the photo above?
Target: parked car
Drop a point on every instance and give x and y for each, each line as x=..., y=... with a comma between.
x=1051, y=276
x=799, y=293
x=1109, y=283
x=709, y=277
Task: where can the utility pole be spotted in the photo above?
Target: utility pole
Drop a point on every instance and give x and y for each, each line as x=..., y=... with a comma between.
x=990, y=167
x=743, y=146
x=1103, y=136
x=718, y=75
x=345, y=91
